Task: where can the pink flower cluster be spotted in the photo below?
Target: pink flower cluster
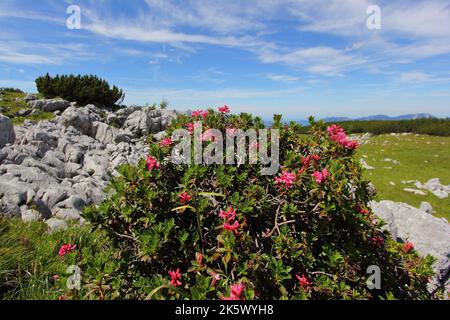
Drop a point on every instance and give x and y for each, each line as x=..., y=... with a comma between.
x=286, y=179
x=236, y=292
x=151, y=163
x=408, y=247
x=338, y=135
x=201, y=113
x=361, y=210
x=231, y=131
x=184, y=197
x=229, y=216
x=321, y=176
x=66, y=248
x=167, y=142
x=208, y=136
x=215, y=277
x=305, y=283
x=224, y=109
x=191, y=126
x=199, y=258
x=175, y=277
x=306, y=161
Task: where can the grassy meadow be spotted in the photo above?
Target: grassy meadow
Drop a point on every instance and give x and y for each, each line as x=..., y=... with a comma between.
x=12, y=102
x=420, y=158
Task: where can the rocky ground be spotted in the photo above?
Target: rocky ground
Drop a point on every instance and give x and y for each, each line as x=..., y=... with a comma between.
x=52, y=169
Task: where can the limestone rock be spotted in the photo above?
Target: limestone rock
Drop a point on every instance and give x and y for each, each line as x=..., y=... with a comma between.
x=49, y=105
x=430, y=235
x=7, y=133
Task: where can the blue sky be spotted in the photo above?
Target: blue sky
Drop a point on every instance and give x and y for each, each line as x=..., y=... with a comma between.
x=294, y=57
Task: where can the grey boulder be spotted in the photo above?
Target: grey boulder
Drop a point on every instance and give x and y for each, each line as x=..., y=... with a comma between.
x=7, y=133
x=430, y=235
x=49, y=105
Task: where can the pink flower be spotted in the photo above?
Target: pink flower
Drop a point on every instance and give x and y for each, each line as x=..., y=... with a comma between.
x=66, y=248
x=305, y=283
x=201, y=113
x=151, y=163
x=287, y=178
x=175, y=278
x=199, y=258
x=316, y=157
x=306, y=161
x=254, y=146
x=231, y=227
x=215, y=277
x=208, y=136
x=224, y=109
x=190, y=127
x=337, y=134
x=231, y=131
x=236, y=292
x=229, y=215
x=351, y=145
x=55, y=277
x=325, y=174
x=408, y=247
x=184, y=197
x=321, y=176
x=377, y=240
x=166, y=142
x=362, y=210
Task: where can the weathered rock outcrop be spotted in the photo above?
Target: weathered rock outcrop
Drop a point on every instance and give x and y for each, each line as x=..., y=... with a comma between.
x=7, y=134
x=430, y=235
x=56, y=168
x=48, y=105
x=433, y=185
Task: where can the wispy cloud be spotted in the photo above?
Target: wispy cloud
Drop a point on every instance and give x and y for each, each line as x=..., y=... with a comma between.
x=20, y=52
x=418, y=77
x=326, y=61
x=282, y=77
x=210, y=75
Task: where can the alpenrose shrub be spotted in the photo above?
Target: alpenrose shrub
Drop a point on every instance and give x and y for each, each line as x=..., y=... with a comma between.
x=228, y=232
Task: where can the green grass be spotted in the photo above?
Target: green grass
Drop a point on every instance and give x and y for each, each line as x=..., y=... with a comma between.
x=421, y=158
x=29, y=258
x=11, y=106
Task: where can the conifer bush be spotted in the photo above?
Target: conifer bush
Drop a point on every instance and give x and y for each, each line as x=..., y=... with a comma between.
x=229, y=232
x=84, y=90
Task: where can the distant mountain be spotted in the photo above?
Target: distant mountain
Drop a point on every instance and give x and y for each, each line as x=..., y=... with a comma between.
x=378, y=117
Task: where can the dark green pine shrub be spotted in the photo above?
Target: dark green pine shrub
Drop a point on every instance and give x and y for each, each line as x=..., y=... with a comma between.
x=84, y=90
x=228, y=232
x=10, y=90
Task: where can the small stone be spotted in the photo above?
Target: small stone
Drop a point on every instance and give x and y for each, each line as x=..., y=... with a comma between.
x=426, y=207
x=55, y=225
x=415, y=191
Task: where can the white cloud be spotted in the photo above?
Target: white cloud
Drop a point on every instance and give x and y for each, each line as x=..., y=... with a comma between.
x=35, y=53
x=282, y=77
x=210, y=75
x=418, y=77
x=326, y=61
